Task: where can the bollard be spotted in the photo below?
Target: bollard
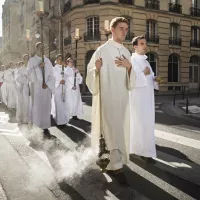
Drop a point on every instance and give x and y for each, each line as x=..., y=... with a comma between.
x=187, y=105
x=174, y=102
x=183, y=92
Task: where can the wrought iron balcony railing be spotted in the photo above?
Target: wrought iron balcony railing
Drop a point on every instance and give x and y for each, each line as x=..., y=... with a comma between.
x=152, y=39
x=177, y=8
x=67, y=7
x=129, y=37
x=130, y=2
x=68, y=40
x=175, y=41
x=195, y=12
x=91, y=1
x=152, y=4
x=92, y=36
x=195, y=43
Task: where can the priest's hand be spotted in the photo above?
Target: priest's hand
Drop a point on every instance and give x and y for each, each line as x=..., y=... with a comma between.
x=44, y=86
x=42, y=64
x=123, y=62
x=62, y=82
x=98, y=64
x=147, y=71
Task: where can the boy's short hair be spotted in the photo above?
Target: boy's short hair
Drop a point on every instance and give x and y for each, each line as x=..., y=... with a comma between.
x=114, y=22
x=135, y=39
x=37, y=44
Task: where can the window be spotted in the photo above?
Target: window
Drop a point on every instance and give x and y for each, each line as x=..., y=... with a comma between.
x=174, y=35
x=153, y=62
x=173, y=68
x=92, y=27
x=194, y=69
x=195, y=33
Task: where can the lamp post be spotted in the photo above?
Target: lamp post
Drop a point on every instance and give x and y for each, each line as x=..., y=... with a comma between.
x=28, y=39
x=107, y=28
x=41, y=15
x=77, y=37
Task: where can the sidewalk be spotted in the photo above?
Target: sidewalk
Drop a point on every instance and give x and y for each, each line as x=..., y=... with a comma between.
x=179, y=109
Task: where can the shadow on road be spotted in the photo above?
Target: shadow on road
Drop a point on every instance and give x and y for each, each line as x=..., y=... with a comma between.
x=187, y=187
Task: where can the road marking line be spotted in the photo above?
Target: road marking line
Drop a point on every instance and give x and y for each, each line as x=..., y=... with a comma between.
x=178, y=139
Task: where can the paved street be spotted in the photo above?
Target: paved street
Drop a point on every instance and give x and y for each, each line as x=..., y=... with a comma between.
x=33, y=167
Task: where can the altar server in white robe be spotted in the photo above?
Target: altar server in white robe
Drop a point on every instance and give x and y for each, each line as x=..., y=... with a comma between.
x=10, y=87
x=59, y=105
x=22, y=111
x=41, y=93
x=111, y=64
x=142, y=115
x=1, y=81
x=3, y=86
x=73, y=95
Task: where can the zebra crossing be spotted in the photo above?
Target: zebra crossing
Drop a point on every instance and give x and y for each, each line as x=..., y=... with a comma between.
x=174, y=176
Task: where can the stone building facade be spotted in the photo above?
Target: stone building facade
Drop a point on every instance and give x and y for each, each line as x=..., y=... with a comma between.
x=171, y=27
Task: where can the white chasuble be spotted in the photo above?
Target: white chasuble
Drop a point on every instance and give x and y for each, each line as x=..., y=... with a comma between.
x=115, y=84
x=41, y=98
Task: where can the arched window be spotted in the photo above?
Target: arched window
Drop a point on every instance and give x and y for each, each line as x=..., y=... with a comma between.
x=153, y=62
x=173, y=68
x=194, y=69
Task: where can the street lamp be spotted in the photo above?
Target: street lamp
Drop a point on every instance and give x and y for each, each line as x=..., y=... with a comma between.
x=42, y=14
x=107, y=28
x=77, y=37
x=28, y=39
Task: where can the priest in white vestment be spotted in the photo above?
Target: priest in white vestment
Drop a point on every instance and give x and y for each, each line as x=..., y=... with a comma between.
x=41, y=93
x=1, y=81
x=73, y=95
x=111, y=64
x=3, y=86
x=59, y=109
x=142, y=115
x=10, y=87
x=22, y=82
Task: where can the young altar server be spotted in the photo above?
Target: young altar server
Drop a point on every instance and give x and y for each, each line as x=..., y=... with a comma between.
x=73, y=95
x=22, y=82
x=111, y=64
x=41, y=93
x=10, y=87
x=142, y=111
x=59, y=107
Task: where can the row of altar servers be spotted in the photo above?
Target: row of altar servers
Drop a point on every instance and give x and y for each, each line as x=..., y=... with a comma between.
x=19, y=91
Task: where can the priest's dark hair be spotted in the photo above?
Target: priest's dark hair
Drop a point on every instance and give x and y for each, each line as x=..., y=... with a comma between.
x=135, y=39
x=114, y=22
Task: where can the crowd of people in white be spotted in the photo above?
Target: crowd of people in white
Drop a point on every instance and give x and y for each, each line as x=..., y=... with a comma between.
x=35, y=99
x=123, y=95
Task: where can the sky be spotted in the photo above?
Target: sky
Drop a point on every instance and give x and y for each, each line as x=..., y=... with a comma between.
x=1, y=3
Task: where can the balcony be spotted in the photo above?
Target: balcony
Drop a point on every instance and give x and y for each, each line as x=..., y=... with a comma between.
x=195, y=43
x=129, y=2
x=175, y=41
x=68, y=40
x=152, y=39
x=67, y=7
x=153, y=4
x=95, y=36
x=129, y=37
x=91, y=1
x=176, y=8
x=195, y=12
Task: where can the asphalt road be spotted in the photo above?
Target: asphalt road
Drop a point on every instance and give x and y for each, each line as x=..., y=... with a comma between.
x=65, y=168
